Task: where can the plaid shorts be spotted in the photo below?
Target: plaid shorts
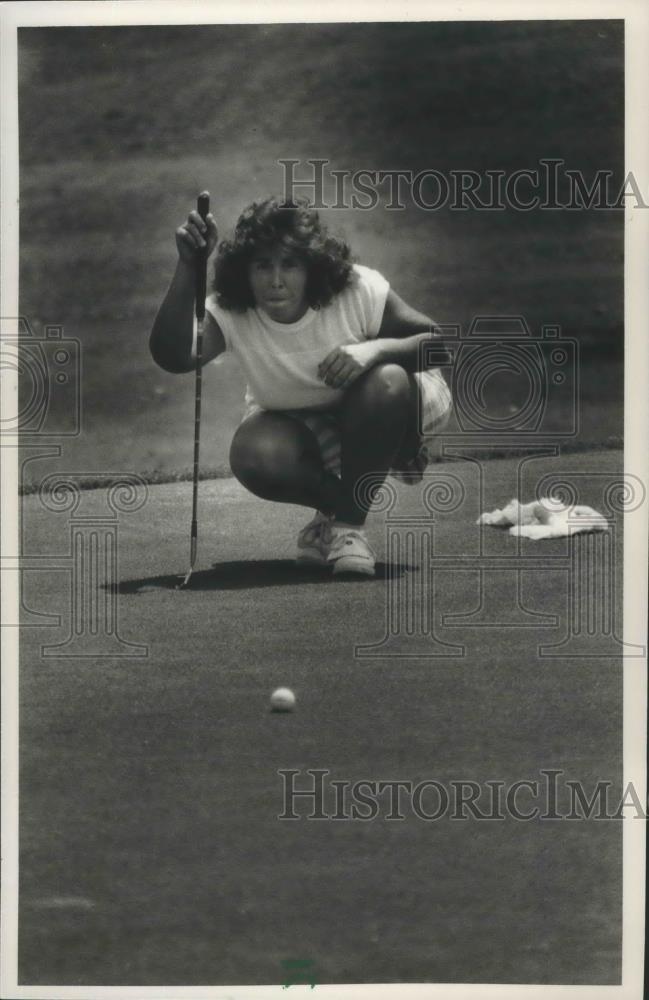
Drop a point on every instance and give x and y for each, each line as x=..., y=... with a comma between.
x=435, y=406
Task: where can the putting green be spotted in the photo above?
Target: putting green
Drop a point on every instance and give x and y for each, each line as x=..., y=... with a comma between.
x=151, y=847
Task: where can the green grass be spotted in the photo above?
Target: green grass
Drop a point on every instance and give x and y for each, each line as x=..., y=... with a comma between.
x=159, y=476
x=121, y=127
x=150, y=790
x=105, y=181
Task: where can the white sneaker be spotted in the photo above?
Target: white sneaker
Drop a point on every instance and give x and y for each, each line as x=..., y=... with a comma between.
x=312, y=543
x=349, y=550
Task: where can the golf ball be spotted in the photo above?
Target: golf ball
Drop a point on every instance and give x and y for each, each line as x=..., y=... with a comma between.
x=282, y=700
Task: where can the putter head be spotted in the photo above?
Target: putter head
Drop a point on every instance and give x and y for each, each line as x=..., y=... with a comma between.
x=192, y=558
x=183, y=583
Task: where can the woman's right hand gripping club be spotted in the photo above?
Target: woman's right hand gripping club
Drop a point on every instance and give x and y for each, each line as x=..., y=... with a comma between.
x=196, y=234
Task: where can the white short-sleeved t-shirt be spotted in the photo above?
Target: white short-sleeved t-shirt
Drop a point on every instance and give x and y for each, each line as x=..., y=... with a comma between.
x=280, y=360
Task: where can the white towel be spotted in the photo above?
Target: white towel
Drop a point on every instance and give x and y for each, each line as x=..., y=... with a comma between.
x=545, y=518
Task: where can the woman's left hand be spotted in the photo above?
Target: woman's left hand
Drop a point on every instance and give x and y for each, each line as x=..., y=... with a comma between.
x=344, y=364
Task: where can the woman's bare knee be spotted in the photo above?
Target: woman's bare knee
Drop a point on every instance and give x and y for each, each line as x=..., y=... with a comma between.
x=384, y=385
x=264, y=452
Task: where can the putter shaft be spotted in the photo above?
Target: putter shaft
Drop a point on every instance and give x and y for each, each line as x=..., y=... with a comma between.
x=201, y=291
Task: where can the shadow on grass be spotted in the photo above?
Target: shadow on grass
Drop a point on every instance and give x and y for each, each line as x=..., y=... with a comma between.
x=254, y=573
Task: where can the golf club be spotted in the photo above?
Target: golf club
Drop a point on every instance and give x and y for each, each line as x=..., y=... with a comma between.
x=203, y=206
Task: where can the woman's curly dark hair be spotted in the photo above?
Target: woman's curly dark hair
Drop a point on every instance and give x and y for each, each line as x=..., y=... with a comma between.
x=296, y=227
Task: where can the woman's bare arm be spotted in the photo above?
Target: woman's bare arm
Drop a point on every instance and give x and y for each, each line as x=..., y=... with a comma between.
x=172, y=338
x=403, y=332
x=400, y=340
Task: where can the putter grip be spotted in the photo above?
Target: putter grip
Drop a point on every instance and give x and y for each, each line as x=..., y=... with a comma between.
x=203, y=207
